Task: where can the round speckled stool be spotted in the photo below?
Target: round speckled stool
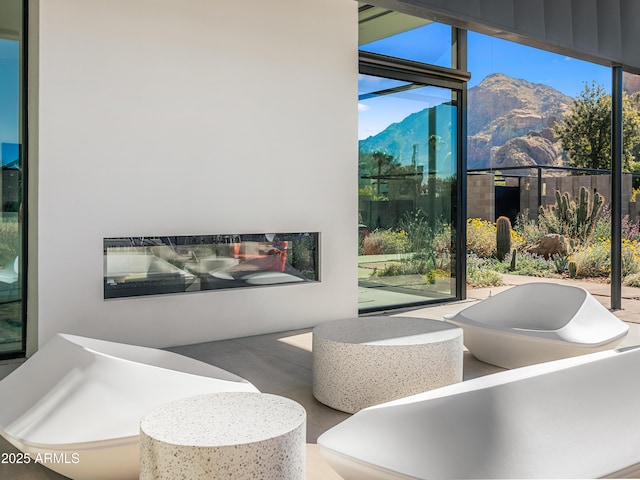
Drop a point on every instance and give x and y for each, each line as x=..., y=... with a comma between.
x=365, y=361
x=231, y=435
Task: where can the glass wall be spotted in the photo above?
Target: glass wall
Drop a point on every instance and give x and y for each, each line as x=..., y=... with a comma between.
x=403, y=36
x=12, y=340
x=407, y=185
x=517, y=94
x=539, y=134
x=409, y=117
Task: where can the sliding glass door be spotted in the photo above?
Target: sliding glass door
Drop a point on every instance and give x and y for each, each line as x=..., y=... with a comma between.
x=12, y=108
x=408, y=161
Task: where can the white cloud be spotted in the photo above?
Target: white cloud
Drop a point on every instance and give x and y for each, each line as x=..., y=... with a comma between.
x=362, y=107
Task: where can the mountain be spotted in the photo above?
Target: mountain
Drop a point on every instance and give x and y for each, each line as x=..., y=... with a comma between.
x=399, y=139
x=631, y=83
x=508, y=124
x=535, y=148
x=502, y=108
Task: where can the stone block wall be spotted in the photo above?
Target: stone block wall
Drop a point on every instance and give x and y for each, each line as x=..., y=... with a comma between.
x=481, y=197
x=481, y=193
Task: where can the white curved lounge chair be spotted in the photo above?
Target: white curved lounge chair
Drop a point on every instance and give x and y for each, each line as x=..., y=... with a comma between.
x=82, y=400
x=538, y=322
x=571, y=418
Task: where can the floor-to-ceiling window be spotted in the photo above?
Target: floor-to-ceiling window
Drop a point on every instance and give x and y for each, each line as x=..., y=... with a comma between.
x=410, y=116
x=12, y=176
x=539, y=125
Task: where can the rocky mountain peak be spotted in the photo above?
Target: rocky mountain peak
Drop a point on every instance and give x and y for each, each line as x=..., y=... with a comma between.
x=502, y=108
x=498, y=94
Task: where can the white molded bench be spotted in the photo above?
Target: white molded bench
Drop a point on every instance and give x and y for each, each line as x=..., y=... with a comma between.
x=571, y=418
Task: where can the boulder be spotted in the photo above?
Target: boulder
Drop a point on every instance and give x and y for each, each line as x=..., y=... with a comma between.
x=548, y=246
x=529, y=150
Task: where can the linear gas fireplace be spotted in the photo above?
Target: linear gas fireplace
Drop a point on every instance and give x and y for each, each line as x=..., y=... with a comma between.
x=135, y=266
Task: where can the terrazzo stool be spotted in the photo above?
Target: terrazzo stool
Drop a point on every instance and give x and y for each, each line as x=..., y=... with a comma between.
x=365, y=361
x=238, y=435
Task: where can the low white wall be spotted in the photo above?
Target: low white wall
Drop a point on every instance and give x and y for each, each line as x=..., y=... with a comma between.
x=177, y=117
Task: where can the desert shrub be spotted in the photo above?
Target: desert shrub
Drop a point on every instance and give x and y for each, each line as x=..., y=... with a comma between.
x=594, y=260
x=630, y=257
x=420, y=233
x=603, y=225
x=302, y=253
x=442, y=248
x=410, y=265
x=481, y=237
x=9, y=242
x=480, y=272
x=430, y=277
x=517, y=240
x=440, y=273
x=528, y=230
x=632, y=280
x=385, y=241
x=390, y=269
x=442, y=239
x=420, y=263
x=630, y=229
x=549, y=223
x=533, y=265
x=484, y=278
x=527, y=264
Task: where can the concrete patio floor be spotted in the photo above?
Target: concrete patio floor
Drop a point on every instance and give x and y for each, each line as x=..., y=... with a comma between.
x=280, y=363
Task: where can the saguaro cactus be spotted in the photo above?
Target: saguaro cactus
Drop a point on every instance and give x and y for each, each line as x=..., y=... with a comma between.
x=578, y=218
x=514, y=256
x=503, y=237
x=594, y=214
x=564, y=210
x=573, y=269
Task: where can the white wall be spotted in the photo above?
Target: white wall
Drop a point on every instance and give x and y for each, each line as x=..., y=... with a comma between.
x=177, y=117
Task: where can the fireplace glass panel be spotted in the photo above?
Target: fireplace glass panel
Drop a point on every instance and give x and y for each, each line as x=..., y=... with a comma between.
x=135, y=266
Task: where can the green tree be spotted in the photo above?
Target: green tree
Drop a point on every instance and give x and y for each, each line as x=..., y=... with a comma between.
x=634, y=100
x=585, y=129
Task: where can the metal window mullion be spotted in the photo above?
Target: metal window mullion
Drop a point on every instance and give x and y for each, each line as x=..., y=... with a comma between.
x=400, y=74
x=616, y=188
x=409, y=70
x=461, y=190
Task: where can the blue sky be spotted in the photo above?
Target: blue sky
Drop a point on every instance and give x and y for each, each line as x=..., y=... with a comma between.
x=492, y=55
x=8, y=92
x=486, y=55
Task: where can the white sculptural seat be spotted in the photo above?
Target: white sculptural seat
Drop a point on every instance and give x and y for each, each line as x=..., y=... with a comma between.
x=537, y=322
x=86, y=397
x=570, y=418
